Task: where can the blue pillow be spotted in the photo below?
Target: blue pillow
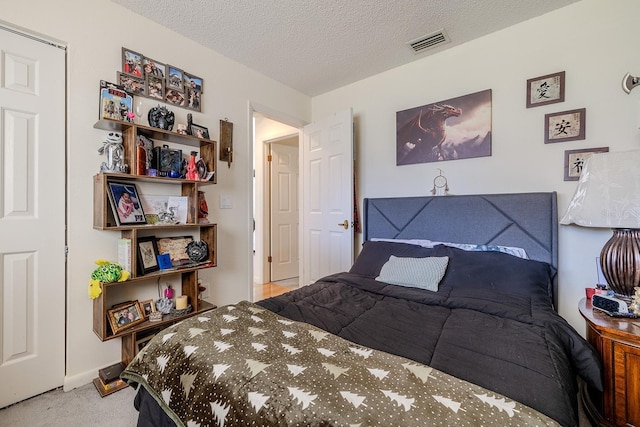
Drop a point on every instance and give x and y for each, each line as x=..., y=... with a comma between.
x=423, y=273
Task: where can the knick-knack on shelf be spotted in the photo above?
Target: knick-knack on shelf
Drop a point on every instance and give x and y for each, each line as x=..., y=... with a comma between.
x=192, y=169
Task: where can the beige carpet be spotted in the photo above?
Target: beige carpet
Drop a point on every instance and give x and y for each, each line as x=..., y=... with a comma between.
x=81, y=407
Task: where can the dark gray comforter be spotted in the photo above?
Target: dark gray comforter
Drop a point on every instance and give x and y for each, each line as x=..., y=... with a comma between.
x=491, y=323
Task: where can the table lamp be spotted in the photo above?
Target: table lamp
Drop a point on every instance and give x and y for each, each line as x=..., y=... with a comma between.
x=608, y=196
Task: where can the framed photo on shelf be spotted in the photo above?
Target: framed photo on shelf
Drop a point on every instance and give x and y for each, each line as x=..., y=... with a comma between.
x=125, y=203
x=574, y=161
x=147, y=251
x=565, y=126
x=142, y=342
x=176, y=247
x=148, y=307
x=199, y=131
x=545, y=90
x=125, y=316
x=175, y=78
x=132, y=62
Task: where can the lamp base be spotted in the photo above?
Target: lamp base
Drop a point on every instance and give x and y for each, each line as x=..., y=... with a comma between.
x=620, y=261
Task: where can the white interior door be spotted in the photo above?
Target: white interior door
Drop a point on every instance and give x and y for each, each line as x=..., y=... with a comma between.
x=32, y=217
x=327, y=213
x=284, y=211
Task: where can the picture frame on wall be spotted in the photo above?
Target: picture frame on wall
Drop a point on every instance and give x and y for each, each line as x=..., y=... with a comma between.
x=125, y=316
x=132, y=84
x=565, y=126
x=175, y=78
x=174, y=97
x=153, y=68
x=125, y=203
x=132, y=63
x=545, y=90
x=574, y=161
x=147, y=251
x=155, y=87
x=193, y=89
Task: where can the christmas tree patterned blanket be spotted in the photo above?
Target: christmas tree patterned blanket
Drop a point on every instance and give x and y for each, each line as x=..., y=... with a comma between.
x=243, y=365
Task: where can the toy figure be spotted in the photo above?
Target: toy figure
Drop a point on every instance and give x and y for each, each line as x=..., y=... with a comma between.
x=114, y=150
x=107, y=272
x=192, y=169
x=203, y=209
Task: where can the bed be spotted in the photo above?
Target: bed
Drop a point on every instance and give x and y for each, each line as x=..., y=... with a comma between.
x=440, y=321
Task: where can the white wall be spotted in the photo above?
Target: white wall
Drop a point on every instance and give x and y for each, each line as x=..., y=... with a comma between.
x=594, y=41
x=95, y=32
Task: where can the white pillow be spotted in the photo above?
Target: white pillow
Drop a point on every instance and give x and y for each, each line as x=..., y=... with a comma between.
x=511, y=250
x=423, y=273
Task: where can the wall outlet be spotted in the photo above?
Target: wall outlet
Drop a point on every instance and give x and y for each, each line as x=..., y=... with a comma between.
x=226, y=202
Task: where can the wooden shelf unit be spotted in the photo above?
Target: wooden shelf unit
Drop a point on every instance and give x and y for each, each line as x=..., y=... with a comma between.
x=103, y=219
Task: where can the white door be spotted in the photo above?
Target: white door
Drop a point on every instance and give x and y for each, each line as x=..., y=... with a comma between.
x=327, y=231
x=32, y=217
x=284, y=211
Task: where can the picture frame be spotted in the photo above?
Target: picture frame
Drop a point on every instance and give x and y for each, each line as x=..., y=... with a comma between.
x=175, y=78
x=125, y=203
x=142, y=342
x=199, y=131
x=132, y=62
x=176, y=247
x=148, y=307
x=574, y=161
x=193, y=89
x=565, y=126
x=155, y=87
x=174, y=97
x=132, y=84
x=153, y=68
x=125, y=316
x=545, y=90
x=147, y=252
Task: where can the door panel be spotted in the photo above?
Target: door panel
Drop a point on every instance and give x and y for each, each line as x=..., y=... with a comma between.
x=284, y=212
x=32, y=217
x=327, y=155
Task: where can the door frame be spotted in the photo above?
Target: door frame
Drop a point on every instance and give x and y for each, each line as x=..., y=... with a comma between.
x=256, y=201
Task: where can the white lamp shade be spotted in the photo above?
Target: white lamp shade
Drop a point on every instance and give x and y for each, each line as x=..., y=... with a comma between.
x=608, y=193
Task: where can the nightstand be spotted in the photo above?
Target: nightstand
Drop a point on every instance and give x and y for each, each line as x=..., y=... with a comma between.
x=617, y=340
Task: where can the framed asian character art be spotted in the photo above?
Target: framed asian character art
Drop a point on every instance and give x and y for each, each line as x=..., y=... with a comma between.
x=565, y=126
x=147, y=251
x=545, y=90
x=574, y=161
x=125, y=315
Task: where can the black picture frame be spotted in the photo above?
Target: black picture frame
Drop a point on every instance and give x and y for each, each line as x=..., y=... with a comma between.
x=147, y=253
x=125, y=203
x=565, y=126
x=545, y=90
x=574, y=161
x=199, y=131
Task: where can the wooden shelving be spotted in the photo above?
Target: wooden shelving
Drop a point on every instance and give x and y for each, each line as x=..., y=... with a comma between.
x=103, y=219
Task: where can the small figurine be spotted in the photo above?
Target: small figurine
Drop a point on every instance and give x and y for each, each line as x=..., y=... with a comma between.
x=114, y=151
x=203, y=209
x=192, y=169
x=161, y=117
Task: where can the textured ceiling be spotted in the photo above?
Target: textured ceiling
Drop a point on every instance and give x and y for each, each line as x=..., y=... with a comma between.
x=316, y=46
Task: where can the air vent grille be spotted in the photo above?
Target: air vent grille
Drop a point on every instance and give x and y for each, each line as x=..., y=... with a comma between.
x=429, y=41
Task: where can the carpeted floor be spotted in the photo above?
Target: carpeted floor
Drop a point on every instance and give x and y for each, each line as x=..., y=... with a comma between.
x=81, y=407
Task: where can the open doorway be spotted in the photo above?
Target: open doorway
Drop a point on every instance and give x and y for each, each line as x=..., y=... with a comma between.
x=276, y=213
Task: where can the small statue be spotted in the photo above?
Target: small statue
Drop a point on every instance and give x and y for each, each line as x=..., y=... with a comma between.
x=161, y=117
x=203, y=209
x=189, y=123
x=197, y=251
x=114, y=150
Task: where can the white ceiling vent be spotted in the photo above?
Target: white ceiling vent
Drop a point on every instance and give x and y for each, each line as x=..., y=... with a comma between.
x=429, y=41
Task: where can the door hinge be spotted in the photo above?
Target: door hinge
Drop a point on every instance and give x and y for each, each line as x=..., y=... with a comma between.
x=269, y=258
x=269, y=157
x=66, y=251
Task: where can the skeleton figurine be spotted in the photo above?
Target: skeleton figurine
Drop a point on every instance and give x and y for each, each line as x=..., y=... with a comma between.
x=114, y=150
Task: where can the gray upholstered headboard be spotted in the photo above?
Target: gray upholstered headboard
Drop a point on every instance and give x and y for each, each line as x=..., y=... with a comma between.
x=525, y=220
